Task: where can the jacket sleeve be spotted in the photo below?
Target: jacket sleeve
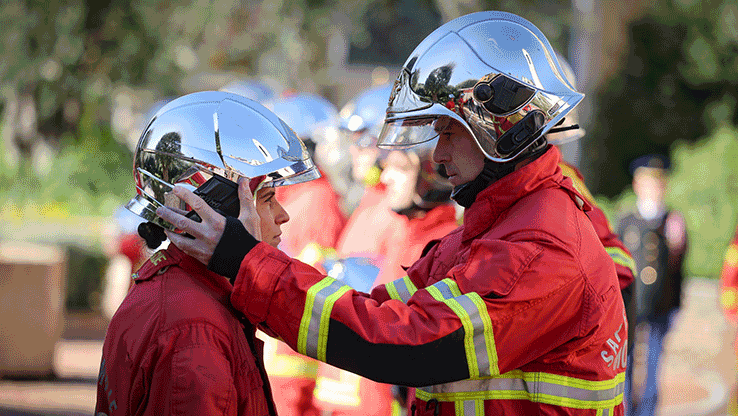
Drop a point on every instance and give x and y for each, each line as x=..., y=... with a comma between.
x=192, y=376
x=403, y=334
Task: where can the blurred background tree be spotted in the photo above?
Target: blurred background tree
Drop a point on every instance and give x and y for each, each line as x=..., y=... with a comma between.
x=677, y=82
x=675, y=93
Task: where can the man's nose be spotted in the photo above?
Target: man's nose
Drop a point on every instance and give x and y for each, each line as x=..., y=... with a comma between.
x=282, y=216
x=440, y=152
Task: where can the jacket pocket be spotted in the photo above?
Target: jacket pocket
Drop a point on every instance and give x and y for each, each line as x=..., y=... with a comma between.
x=494, y=267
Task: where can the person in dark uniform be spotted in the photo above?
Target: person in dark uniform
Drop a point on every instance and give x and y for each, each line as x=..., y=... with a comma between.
x=657, y=238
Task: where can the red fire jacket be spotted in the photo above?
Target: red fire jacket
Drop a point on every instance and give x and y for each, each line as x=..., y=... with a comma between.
x=413, y=235
x=175, y=346
x=516, y=312
x=363, y=234
x=624, y=263
x=316, y=215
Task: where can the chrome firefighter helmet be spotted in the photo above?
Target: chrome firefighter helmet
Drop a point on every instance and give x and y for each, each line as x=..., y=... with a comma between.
x=307, y=114
x=213, y=135
x=363, y=117
x=494, y=72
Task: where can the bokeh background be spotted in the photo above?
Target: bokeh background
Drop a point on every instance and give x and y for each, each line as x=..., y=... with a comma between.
x=77, y=79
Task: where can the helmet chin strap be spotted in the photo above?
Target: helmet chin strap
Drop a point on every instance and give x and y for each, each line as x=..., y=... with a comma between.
x=465, y=194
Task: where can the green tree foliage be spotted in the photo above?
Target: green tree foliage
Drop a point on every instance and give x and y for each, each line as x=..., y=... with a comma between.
x=678, y=82
x=704, y=187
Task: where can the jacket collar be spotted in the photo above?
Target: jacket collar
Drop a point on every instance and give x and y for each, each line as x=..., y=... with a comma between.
x=542, y=173
x=219, y=285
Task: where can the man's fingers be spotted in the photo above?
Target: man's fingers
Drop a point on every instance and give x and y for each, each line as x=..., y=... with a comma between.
x=245, y=196
x=180, y=221
x=204, y=210
x=192, y=247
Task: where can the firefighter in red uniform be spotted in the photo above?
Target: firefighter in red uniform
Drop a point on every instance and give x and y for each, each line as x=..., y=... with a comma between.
x=360, y=122
x=519, y=310
x=293, y=376
x=175, y=345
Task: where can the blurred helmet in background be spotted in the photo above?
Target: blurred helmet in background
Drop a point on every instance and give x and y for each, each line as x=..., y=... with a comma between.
x=254, y=90
x=494, y=72
x=208, y=135
x=307, y=114
x=361, y=121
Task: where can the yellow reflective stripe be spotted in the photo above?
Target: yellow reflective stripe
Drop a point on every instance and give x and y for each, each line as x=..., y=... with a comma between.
x=312, y=337
x=731, y=255
x=545, y=388
x=479, y=407
x=729, y=297
x=307, y=314
x=578, y=184
x=621, y=257
x=325, y=320
x=392, y=291
x=605, y=412
x=479, y=342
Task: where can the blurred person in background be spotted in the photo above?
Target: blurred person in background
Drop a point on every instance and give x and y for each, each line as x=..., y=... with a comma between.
x=360, y=122
x=517, y=311
x=657, y=238
x=419, y=195
x=624, y=263
x=293, y=376
x=175, y=345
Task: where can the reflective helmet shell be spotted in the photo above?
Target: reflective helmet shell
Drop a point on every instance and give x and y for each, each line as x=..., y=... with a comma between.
x=305, y=113
x=494, y=72
x=209, y=133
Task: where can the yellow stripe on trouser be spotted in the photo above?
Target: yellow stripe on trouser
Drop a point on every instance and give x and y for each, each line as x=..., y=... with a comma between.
x=312, y=338
x=479, y=340
x=619, y=256
x=401, y=289
x=545, y=388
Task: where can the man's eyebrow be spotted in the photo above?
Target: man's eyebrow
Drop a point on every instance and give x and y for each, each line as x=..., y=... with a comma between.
x=267, y=193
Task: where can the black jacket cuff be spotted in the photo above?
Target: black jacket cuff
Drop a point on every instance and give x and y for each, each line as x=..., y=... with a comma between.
x=234, y=245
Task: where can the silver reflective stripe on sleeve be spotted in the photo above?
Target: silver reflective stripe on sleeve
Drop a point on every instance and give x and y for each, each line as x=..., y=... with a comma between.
x=479, y=340
x=312, y=338
x=401, y=289
x=536, y=387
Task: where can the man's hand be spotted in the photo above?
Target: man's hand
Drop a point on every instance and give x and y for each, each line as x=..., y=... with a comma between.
x=207, y=233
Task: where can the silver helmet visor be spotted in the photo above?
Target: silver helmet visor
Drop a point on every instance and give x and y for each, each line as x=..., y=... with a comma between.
x=407, y=132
